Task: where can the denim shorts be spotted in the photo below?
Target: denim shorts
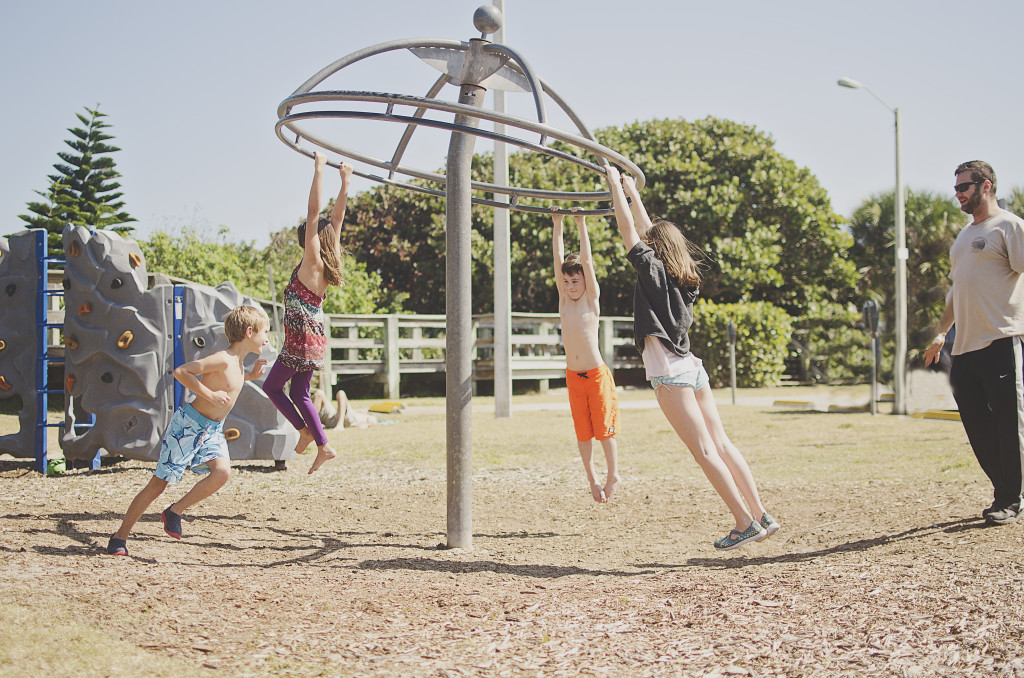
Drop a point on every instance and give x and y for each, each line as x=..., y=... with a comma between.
x=190, y=440
x=696, y=378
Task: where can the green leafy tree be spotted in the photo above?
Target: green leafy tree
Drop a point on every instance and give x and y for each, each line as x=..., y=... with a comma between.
x=84, y=190
x=1015, y=202
x=211, y=259
x=765, y=224
x=932, y=224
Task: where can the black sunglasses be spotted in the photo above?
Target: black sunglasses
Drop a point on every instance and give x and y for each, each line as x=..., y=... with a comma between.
x=960, y=188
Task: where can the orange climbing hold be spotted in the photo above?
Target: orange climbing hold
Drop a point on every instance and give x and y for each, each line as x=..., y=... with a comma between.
x=232, y=434
x=69, y=383
x=4, y=386
x=86, y=307
x=2, y=345
x=125, y=340
x=135, y=259
x=71, y=342
x=73, y=249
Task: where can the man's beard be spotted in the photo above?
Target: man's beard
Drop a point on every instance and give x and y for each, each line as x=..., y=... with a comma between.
x=972, y=203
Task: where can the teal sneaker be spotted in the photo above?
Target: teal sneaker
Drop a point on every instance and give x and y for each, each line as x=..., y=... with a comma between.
x=770, y=525
x=753, y=533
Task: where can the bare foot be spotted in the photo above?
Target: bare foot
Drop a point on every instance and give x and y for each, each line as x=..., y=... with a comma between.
x=598, y=492
x=323, y=454
x=305, y=438
x=611, y=486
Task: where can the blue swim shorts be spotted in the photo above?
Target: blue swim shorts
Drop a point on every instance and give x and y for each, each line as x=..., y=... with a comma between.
x=190, y=440
x=695, y=378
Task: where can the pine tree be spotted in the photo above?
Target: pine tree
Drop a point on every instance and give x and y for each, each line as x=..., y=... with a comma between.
x=84, y=193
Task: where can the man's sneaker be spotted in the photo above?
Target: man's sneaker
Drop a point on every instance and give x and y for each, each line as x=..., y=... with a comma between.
x=172, y=523
x=753, y=533
x=991, y=509
x=769, y=524
x=1004, y=516
x=117, y=547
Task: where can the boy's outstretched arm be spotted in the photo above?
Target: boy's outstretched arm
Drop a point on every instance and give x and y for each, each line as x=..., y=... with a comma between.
x=311, y=248
x=587, y=256
x=623, y=215
x=558, y=252
x=338, y=212
x=257, y=370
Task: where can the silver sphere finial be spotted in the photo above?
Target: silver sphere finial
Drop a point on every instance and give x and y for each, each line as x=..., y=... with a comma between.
x=487, y=19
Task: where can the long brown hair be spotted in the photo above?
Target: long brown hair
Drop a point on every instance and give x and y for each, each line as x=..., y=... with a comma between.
x=675, y=251
x=331, y=251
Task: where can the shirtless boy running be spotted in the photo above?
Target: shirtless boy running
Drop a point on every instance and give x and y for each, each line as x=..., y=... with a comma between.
x=195, y=436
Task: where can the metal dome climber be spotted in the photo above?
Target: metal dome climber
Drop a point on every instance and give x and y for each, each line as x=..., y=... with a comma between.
x=473, y=67
x=476, y=63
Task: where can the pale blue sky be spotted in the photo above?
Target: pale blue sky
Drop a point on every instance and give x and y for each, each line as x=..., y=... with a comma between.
x=191, y=88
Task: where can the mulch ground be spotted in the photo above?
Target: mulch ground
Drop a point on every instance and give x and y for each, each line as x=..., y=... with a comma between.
x=342, y=574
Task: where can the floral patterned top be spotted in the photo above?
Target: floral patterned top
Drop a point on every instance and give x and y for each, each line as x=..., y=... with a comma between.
x=304, y=338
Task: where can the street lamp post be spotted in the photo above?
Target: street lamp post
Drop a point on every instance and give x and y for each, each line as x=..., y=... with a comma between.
x=900, y=368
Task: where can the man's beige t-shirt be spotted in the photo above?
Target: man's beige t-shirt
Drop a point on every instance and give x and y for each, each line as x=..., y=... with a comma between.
x=987, y=294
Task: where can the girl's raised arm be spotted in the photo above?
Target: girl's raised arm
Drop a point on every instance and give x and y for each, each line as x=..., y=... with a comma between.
x=338, y=213
x=311, y=247
x=623, y=215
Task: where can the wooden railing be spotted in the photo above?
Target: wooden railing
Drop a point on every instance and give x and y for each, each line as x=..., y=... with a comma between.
x=385, y=347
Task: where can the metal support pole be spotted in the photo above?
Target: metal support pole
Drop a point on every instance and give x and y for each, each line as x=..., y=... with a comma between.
x=459, y=334
x=502, y=262
x=177, y=324
x=732, y=359
x=870, y=312
x=900, y=224
x=39, y=441
x=874, y=373
x=900, y=371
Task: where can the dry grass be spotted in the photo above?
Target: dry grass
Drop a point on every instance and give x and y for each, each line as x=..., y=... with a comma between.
x=881, y=568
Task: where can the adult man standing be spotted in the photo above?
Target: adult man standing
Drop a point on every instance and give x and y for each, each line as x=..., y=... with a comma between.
x=986, y=300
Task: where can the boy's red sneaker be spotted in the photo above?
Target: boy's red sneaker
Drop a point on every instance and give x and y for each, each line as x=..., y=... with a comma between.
x=172, y=523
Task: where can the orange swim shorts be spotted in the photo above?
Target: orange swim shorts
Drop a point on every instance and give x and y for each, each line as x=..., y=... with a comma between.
x=593, y=402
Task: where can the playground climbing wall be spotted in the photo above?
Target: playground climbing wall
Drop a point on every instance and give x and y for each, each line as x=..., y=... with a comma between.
x=120, y=339
x=18, y=284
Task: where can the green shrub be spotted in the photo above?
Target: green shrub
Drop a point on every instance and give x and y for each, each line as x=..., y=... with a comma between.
x=762, y=341
x=830, y=347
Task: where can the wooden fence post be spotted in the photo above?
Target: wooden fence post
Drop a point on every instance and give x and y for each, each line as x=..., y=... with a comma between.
x=327, y=376
x=605, y=342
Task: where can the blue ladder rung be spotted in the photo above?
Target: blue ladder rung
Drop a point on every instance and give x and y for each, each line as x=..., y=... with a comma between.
x=52, y=360
x=53, y=293
x=52, y=390
x=56, y=260
x=48, y=425
x=52, y=325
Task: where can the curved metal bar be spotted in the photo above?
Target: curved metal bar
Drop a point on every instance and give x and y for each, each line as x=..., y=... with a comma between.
x=514, y=192
x=539, y=87
x=531, y=77
x=436, y=124
x=494, y=203
x=447, y=106
x=566, y=108
x=373, y=50
x=403, y=143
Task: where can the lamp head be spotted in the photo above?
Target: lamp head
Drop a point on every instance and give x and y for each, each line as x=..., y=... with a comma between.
x=849, y=82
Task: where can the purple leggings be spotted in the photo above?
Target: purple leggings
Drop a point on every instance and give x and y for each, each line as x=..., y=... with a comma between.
x=299, y=408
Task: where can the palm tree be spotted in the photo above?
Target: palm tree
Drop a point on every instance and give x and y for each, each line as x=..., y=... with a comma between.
x=933, y=222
